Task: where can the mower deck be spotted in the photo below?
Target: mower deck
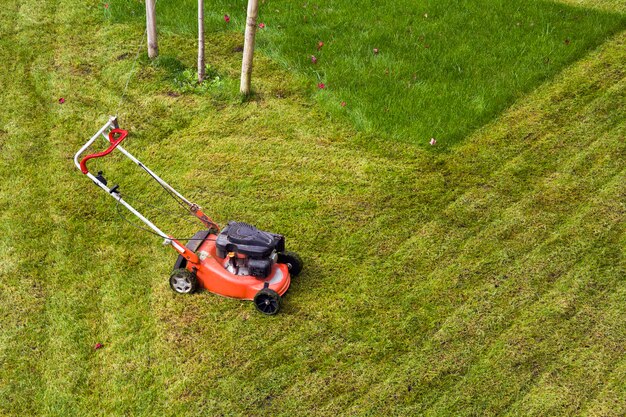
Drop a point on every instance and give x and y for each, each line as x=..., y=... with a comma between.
x=214, y=278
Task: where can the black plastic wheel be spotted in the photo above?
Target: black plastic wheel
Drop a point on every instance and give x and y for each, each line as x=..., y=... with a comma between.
x=267, y=301
x=292, y=260
x=183, y=281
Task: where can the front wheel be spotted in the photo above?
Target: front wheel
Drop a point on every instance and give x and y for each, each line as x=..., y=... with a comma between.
x=293, y=262
x=267, y=301
x=183, y=281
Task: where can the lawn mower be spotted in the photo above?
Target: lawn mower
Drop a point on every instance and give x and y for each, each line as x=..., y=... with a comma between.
x=238, y=261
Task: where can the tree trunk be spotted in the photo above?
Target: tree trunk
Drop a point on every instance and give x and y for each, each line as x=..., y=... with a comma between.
x=200, y=41
x=248, y=46
x=153, y=47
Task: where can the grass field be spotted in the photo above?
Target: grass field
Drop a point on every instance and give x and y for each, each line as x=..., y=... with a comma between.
x=441, y=68
x=481, y=276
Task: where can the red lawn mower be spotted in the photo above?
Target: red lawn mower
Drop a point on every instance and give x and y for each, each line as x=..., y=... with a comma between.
x=238, y=261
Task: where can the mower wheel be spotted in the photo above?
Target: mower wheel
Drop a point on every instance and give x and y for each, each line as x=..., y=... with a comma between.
x=183, y=281
x=292, y=260
x=267, y=301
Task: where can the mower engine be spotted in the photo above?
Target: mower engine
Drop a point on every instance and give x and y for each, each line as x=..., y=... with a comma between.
x=247, y=250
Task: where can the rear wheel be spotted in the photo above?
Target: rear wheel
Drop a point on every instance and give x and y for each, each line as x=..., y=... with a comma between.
x=267, y=301
x=183, y=281
x=293, y=262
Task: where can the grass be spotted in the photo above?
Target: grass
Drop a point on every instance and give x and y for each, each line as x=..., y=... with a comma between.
x=484, y=280
x=443, y=68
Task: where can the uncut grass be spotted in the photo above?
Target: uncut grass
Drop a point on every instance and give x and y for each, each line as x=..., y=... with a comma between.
x=397, y=311
x=443, y=69
x=607, y=5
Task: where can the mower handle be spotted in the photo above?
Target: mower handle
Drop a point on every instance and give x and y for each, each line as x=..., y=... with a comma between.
x=114, y=142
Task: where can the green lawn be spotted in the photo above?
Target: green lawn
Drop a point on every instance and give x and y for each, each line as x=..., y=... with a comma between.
x=443, y=68
x=484, y=280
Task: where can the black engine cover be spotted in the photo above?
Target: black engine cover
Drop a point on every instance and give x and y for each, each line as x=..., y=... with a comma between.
x=246, y=239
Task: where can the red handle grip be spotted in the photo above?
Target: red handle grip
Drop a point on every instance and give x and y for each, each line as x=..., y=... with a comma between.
x=114, y=143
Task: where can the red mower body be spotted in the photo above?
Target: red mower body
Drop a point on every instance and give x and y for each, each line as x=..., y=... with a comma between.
x=213, y=277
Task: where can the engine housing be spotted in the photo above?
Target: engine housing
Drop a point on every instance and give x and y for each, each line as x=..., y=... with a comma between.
x=248, y=250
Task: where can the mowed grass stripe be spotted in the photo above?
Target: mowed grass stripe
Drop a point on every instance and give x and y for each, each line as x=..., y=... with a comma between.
x=603, y=166
x=610, y=397
x=72, y=367
x=463, y=334
x=100, y=294
x=74, y=301
x=25, y=215
x=581, y=374
x=479, y=325
x=606, y=5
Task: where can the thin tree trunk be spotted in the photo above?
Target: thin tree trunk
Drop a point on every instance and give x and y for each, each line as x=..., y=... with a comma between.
x=153, y=47
x=200, y=41
x=248, y=46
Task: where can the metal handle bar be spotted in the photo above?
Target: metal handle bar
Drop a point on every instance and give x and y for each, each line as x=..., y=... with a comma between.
x=111, y=126
x=108, y=125
x=113, y=129
x=114, y=143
